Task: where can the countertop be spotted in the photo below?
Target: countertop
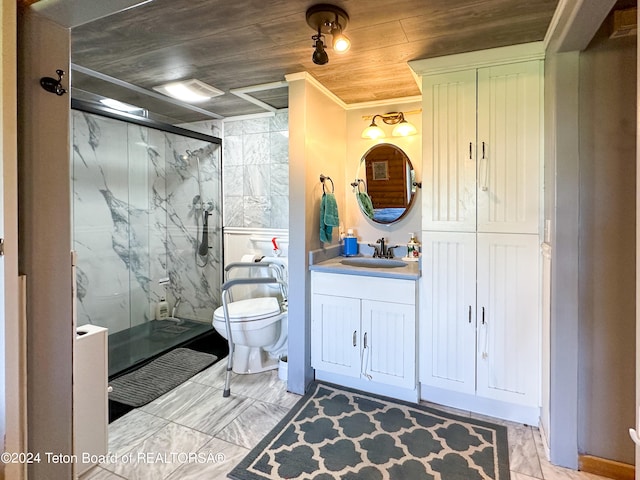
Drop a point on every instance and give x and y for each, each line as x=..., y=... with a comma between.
x=332, y=265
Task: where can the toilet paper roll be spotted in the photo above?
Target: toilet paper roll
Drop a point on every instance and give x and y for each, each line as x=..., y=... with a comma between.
x=248, y=258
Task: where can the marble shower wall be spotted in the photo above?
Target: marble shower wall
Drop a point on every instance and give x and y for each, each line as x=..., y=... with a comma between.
x=137, y=219
x=256, y=172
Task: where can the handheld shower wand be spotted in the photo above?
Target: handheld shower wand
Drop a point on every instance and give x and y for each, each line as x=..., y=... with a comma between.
x=203, y=249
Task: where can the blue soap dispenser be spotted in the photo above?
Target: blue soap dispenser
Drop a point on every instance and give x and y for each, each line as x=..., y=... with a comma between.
x=350, y=247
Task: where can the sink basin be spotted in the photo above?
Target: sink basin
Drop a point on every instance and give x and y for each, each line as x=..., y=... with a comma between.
x=371, y=262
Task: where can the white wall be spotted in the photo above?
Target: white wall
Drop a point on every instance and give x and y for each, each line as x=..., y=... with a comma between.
x=316, y=146
x=561, y=209
x=367, y=230
x=45, y=242
x=12, y=411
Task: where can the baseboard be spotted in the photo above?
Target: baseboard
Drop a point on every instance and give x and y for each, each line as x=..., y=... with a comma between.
x=526, y=414
x=606, y=468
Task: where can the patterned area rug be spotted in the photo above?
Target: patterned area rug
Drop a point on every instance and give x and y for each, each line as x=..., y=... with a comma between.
x=337, y=433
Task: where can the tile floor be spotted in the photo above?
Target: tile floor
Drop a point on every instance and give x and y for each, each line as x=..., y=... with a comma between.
x=193, y=432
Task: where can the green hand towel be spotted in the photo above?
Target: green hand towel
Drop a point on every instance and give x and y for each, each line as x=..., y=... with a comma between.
x=328, y=216
x=365, y=203
x=331, y=210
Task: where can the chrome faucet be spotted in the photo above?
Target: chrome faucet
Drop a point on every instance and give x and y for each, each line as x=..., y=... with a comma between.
x=383, y=251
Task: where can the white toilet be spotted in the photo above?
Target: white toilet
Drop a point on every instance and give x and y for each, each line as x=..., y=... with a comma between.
x=259, y=332
x=259, y=328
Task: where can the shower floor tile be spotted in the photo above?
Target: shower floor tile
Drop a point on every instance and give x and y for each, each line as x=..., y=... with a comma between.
x=143, y=342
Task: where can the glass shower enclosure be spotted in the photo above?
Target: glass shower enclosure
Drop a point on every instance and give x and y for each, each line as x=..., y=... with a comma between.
x=147, y=228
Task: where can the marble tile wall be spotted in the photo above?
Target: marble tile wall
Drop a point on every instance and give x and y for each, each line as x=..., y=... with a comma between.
x=138, y=200
x=256, y=172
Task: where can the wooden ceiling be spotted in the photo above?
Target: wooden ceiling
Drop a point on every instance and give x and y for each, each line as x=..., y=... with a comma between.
x=240, y=43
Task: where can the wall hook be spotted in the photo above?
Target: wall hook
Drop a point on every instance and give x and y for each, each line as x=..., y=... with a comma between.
x=52, y=85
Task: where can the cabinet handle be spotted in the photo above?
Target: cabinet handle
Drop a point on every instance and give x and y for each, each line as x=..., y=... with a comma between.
x=484, y=186
x=355, y=332
x=483, y=315
x=470, y=151
x=469, y=313
x=365, y=361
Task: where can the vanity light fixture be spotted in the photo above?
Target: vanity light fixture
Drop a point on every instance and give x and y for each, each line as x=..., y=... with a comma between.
x=190, y=91
x=402, y=127
x=330, y=20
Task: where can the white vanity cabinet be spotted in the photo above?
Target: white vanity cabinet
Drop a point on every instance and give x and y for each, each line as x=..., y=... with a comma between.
x=363, y=332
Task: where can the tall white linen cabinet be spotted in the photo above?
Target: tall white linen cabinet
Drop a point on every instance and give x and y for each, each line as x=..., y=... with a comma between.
x=479, y=323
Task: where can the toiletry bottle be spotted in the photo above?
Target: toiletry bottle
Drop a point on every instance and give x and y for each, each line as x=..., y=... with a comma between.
x=162, y=309
x=416, y=247
x=411, y=246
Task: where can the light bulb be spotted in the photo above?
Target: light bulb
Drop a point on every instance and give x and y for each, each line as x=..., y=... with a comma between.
x=373, y=132
x=341, y=43
x=404, y=129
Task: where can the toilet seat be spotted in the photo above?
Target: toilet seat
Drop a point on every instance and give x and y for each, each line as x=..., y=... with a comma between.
x=250, y=312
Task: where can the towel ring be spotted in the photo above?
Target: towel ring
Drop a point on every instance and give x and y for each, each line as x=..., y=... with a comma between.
x=322, y=179
x=356, y=185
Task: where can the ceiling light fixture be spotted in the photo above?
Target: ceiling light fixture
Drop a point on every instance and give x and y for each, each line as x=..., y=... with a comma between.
x=190, y=91
x=402, y=127
x=330, y=20
x=319, y=56
x=118, y=105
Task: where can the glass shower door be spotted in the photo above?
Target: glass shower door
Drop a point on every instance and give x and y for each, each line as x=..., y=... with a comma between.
x=140, y=199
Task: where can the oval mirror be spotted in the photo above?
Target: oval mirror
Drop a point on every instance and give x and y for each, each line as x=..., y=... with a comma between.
x=385, y=187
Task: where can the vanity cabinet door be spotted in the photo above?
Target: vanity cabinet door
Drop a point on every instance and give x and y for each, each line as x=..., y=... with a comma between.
x=389, y=343
x=447, y=342
x=335, y=334
x=507, y=317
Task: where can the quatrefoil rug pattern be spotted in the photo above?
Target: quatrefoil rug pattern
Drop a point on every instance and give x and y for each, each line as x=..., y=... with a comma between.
x=338, y=433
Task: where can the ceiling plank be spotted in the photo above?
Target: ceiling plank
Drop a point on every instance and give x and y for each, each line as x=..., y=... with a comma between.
x=249, y=42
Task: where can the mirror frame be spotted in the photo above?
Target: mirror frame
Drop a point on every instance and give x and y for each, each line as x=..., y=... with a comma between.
x=356, y=184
